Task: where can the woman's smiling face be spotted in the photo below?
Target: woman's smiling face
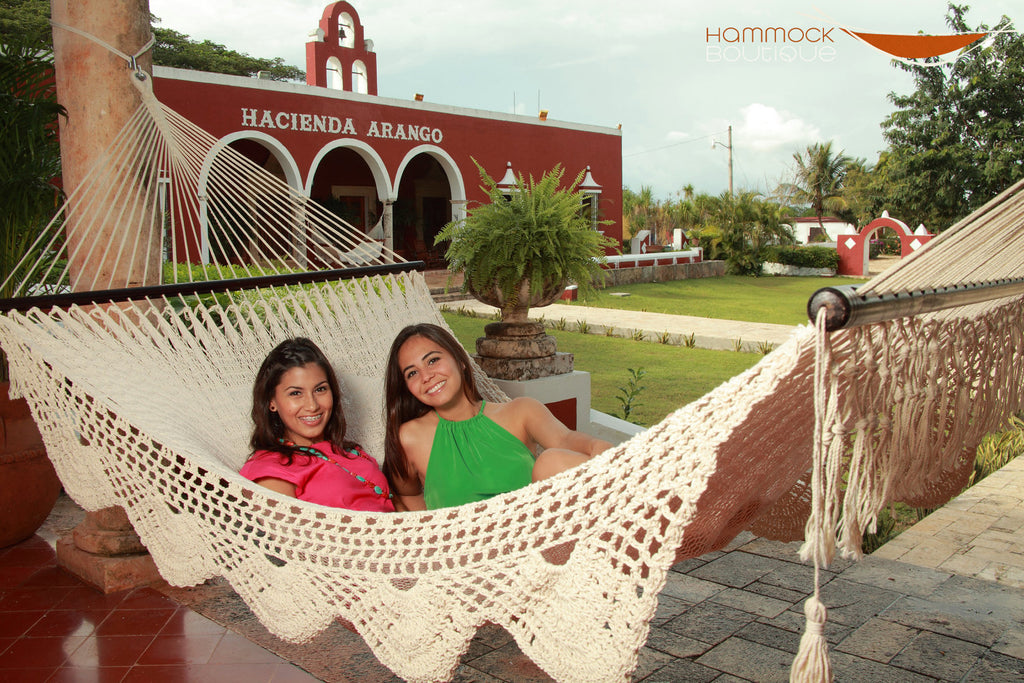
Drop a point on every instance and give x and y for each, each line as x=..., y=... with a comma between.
x=431, y=374
x=304, y=401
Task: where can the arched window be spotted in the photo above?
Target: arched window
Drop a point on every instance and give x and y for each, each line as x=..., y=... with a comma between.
x=360, y=83
x=335, y=78
x=346, y=30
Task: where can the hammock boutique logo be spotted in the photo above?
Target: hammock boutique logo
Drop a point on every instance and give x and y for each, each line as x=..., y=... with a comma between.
x=769, y=44
x=751, y=44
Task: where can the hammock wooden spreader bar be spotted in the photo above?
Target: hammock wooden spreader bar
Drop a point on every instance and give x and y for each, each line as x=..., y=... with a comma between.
x=844, y=307
x=46, y=302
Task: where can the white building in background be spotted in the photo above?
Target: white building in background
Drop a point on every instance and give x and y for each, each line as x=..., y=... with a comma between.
x=806, y=229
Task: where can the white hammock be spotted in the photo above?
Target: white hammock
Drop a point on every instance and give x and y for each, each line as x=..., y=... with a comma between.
x=144, y=404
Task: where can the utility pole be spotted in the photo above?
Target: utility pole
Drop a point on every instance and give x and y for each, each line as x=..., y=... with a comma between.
x=728, y=147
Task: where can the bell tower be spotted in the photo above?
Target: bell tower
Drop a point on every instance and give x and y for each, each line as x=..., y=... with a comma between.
x=338, y=56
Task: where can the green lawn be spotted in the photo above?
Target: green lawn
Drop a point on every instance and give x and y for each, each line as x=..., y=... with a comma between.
x=781, y=300
x=675, y=376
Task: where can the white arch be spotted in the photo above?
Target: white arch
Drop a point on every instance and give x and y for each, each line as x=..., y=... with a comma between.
x=451, y=170
x=360, y=82
x=281, y=154
x=335, y=79
x=368, y=154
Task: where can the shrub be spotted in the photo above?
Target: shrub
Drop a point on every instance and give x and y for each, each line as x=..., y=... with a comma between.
x=804, y=257
x=875, y=249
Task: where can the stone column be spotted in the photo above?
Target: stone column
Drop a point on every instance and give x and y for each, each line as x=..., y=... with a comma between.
x=92, y=84
x=105, y=551
x=387, y=220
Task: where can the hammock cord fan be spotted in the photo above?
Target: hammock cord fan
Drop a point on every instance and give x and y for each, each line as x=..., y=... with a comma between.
x=142, y=396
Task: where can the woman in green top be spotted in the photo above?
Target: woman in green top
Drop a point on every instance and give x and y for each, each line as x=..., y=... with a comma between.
x=446, y=446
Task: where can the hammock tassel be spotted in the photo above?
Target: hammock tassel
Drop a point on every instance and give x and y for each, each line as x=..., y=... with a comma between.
x=812, y=664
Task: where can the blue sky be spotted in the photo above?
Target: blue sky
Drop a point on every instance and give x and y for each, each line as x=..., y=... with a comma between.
x=647, y=65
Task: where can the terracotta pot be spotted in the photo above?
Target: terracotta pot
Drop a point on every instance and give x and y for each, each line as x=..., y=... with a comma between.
x=28, y=484
x=515, y=309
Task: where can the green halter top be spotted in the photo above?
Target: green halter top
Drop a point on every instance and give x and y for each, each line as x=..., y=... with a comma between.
x=472, y=460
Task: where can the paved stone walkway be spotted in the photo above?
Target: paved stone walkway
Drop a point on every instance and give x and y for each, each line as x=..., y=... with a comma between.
x=980, y=534
x=708, y=333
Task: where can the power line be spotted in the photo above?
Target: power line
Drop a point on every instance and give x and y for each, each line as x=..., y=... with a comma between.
x=674, y=144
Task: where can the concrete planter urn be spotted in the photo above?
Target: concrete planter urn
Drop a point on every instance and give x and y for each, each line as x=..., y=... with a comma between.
x=515, y=308
x=28, y=483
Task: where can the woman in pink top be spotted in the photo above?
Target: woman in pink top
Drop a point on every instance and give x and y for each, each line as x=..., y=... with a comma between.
x=298, y=439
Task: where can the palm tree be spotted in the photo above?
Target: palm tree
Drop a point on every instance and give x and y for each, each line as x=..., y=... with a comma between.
x=642, y=211
x=820, y=176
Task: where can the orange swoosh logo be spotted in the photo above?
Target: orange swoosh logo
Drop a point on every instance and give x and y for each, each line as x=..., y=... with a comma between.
x=916, y=46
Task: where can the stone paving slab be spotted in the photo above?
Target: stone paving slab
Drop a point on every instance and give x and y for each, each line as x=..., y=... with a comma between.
x=980, y=533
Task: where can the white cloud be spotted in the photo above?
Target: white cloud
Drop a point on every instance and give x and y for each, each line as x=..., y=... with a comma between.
x=766, y=129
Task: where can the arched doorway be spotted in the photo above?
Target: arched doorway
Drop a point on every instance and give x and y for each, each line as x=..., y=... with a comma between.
x=347, y=179
x=423, y=206
x=230, y=229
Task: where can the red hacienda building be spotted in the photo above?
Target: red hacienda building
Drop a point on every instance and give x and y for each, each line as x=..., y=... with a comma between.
x=397, y=169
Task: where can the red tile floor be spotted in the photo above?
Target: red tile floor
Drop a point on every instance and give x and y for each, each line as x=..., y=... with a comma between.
x=54, y=627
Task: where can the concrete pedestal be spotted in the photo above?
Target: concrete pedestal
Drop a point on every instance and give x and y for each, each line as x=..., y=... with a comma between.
x=567, y=396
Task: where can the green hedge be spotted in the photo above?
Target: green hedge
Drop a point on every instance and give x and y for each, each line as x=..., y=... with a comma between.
x=803, y=257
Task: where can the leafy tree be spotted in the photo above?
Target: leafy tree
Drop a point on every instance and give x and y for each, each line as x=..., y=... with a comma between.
x=24, y=18
x=29, y=149
x=32, y=17
x=863, y=193
x=179, y=50
x=738, y=228
x=637, y=211
x=958, y=139
x=820, y=175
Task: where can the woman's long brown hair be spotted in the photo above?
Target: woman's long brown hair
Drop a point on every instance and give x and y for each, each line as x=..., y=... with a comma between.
x=401, y=406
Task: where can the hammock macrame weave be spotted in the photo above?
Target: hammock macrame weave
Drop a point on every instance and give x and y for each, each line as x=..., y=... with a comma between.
x=144, y=404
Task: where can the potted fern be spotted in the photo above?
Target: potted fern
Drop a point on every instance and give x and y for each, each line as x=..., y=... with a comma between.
x=521, y=248
x=518, y=251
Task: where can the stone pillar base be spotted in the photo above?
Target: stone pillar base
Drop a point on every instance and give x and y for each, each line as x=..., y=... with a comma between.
x=105, y=551
x=107, y=573
x=559, y=363
x=520, y=351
